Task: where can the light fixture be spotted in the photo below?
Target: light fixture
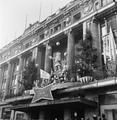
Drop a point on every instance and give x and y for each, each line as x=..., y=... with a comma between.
x=36, y=65
x=65, y=53
x=57, y=43
x=75, y=114
x=50, y=57
x=49, y=47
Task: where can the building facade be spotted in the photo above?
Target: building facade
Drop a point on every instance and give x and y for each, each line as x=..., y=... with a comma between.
x=54, y=44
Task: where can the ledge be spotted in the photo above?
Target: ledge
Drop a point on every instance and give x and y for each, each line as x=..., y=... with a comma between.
x=79, y=100
x=68, y=87
x=63, y=30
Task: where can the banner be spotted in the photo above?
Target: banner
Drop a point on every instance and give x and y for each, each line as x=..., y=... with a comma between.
x=109, y=47
x=44, y=74
x=112, y=46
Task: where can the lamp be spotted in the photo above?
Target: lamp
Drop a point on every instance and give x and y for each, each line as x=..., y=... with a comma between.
x=75, y=114
x=57, y=43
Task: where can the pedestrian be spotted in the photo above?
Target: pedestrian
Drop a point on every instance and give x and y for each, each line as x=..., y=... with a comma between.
x=99, y=118
x=94, y=117
x=103, y=116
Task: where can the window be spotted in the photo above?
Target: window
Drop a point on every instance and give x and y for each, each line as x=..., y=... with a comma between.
x=28, y=44
x=4, y=79
x=111, y=22
x=57, y=28
x=14, y=77
x=105, y=35
x=77, y=17
x=42, y=36
x=64, y=24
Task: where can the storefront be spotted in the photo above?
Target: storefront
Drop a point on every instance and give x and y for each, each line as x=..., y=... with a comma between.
x=62, y=109
x=108, y=105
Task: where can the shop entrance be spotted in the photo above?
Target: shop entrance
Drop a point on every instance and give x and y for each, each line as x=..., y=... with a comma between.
x=110, y=111
x=77, y=114
x=111, y=114
x=55, y=114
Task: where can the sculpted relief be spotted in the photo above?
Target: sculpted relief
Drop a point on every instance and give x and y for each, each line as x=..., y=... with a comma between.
x=87, y=7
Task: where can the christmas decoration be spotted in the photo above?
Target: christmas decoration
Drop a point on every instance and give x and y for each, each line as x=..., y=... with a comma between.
x=85, y=63
x=42, y=93
x=29, y=75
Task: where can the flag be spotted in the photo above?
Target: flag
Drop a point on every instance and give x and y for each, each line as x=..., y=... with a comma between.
x=106, y=51
x=109, y=47
x=112, y=46
x=44, y=74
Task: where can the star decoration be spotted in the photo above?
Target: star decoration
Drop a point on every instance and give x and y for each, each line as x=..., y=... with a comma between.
x=42, y=93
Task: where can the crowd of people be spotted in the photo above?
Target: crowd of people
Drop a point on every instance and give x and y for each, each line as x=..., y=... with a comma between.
x=95, y=117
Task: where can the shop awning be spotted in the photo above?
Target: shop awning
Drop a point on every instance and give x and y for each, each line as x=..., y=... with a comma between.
x=64, y=101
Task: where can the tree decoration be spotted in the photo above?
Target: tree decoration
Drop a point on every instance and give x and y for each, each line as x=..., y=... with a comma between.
x=57, y=43
x=85, y=63
x=29, y=75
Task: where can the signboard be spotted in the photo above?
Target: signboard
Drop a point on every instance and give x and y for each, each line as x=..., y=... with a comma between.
x=6, y=113
x=20, y=116
x=42, y=93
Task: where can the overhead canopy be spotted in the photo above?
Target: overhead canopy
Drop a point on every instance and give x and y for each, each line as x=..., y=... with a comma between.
x=46, y=103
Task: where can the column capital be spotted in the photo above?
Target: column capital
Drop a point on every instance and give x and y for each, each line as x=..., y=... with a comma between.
x=9, y=62
x=45, y=43
x=68, y=31
x=94, y=19
x=20, y=56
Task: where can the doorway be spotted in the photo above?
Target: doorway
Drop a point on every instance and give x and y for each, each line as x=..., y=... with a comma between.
x=55, y=114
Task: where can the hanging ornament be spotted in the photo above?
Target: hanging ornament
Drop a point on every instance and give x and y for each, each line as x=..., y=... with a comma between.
x=65, y=53
x=75, y=114
x=57, y=43
x=49, y=47
x=50, y=57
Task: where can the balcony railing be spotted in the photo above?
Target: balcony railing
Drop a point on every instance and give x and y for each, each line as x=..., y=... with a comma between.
x=106, y=2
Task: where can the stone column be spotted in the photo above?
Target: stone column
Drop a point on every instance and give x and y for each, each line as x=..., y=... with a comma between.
x=41, y=115
x=12, y=114
x=84, y=30
x=95, y=30
x=67, y=114
x=19, y=77
x=48, y=61
x=9, y=72
x=40, y=58
x=1, y=77
x=40, y=61
x=70, y=51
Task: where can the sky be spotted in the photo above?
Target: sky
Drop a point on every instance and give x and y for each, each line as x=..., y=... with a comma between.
x=16, y=14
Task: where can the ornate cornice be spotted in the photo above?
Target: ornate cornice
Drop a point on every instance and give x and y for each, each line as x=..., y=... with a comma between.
x=32, y=36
